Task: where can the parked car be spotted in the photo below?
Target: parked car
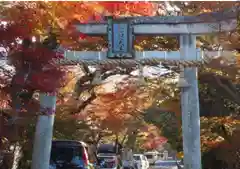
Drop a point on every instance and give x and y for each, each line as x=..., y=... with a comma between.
x=109, y=156
x=108, y=161
x=152, y=156
x=167, y=164
x=69, y=154
x=106, y=149
x=141, y=161
x=127, y=158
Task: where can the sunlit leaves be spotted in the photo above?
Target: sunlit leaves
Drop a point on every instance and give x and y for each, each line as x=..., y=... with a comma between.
x=35, y=18
x=212, y=133
x=118, y=107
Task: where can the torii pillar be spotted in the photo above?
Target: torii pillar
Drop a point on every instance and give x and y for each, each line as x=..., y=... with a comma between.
x=190, y=106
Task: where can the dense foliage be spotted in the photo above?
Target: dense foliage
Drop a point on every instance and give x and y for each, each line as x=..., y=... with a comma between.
x=141, y=116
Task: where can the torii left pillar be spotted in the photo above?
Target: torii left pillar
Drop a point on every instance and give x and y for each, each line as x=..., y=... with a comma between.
x=44, y=132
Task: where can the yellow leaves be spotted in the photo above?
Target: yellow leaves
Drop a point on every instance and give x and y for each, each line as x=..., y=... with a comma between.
x=94, y=6
x=207, y=6
x=238, y=59
x=210, y=142
x=212, y=133
x=171, y=105
x=138, y=48
x=70, y=85
x=220, y=120
x=119, y=95
x=206, y=10
x=180, y=155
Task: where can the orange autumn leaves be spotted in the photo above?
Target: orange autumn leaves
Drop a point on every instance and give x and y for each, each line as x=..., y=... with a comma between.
x=152, y=137
x=35, y=18
x=118, y=108
x=212, y=135
x=130, y=8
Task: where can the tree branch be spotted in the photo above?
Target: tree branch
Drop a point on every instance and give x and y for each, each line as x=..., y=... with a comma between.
x=223, y=84
x=85, y=103
x=82, y=84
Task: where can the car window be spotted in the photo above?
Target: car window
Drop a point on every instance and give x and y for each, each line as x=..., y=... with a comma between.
x=149, y=156
x=66, y=153
x=136, y=157
x=106, y=148
x=161, y=155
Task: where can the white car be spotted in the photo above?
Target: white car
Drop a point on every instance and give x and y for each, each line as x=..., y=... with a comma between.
x=152, y=156
x=141, y=161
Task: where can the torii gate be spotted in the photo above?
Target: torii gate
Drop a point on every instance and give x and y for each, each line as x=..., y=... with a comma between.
x=120, y=46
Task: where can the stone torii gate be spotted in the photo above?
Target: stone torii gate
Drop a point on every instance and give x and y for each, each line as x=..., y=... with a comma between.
x=121, y=34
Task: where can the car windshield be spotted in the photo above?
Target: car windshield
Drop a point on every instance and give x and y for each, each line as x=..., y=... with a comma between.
x=149, y=156
x=66, y=154
x=106, y=158
x=136, y=158
x=106, y=148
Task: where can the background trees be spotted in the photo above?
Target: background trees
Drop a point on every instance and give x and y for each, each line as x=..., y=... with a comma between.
x=131, y=110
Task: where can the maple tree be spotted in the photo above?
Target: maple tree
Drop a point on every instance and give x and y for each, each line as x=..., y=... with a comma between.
x=118, y=109
x=223, y=144
x=40, y=16
x=35, y=18
x=116, y=113
x=59, y=16
x=26, y=19
x=152, y=138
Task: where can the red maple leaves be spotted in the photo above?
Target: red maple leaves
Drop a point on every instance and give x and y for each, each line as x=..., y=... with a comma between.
x=42, y=74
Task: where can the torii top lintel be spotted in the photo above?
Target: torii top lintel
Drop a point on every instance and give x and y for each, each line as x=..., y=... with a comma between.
x=201, y=24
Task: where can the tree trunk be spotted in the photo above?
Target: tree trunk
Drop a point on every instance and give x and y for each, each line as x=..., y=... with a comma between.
x=17, y=156
x=132, y=140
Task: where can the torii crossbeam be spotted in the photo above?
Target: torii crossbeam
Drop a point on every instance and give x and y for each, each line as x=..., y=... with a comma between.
x=121, y=34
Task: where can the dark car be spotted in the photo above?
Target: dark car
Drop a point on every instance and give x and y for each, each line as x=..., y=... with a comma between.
x=106, y=149
x=67, y=154
x=108, y=156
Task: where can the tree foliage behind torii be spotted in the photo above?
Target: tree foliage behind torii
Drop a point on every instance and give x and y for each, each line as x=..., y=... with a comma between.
x=230, y=93
x=39, y=18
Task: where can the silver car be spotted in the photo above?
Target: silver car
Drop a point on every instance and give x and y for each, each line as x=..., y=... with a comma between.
x=166, y=164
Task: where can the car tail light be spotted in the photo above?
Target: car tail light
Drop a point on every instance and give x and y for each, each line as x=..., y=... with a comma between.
x=111, y=164
x=85, y=157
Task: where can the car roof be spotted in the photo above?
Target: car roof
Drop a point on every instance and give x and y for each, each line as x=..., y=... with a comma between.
x=70, y=142
x=106, y=145
x=151, y=152
x=106, y=155
x=138, y=154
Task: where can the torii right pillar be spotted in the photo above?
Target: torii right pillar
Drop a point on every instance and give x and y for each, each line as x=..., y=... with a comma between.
x=190, y=106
